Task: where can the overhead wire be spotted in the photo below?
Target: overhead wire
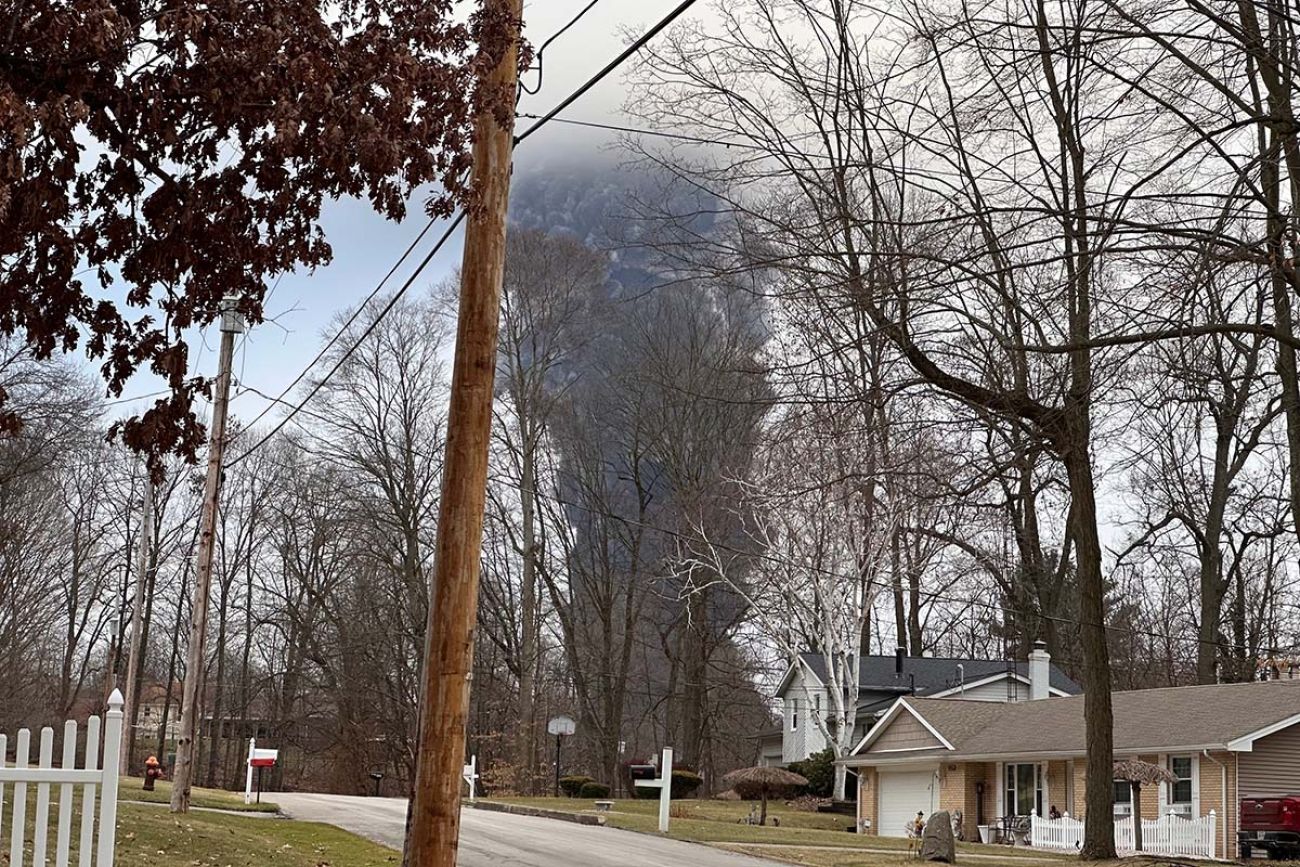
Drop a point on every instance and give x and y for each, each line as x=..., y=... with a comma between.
x=582, y=89
x=541, y=51
x=342, y=359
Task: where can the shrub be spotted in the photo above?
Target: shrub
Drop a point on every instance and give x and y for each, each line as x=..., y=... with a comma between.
x=572, y=784
x=593, y=791
x=796, y=791
x=819, y=770
x=685, y=783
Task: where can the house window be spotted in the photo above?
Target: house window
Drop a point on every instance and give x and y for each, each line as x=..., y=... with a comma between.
x=1024, y=790
x=1180, y=791
x=1123, y=798
x=794, y=714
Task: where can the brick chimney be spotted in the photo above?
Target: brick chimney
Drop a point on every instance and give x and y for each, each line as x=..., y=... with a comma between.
x=1040, y=671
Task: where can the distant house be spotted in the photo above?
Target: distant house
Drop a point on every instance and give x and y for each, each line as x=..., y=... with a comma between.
x=882, y=680
x=1220, y=742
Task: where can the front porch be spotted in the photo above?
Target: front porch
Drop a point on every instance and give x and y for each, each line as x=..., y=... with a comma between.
x=1006, y=800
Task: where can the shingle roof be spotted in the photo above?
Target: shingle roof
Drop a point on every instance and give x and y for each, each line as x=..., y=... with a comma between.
x=931, y=674
x=1147, y=720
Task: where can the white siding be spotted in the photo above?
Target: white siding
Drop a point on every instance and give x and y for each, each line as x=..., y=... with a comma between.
x=995, y=691
x=799, y=743
x=1272, y=767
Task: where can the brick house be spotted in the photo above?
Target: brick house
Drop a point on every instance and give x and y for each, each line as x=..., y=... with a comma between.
x=995, y=760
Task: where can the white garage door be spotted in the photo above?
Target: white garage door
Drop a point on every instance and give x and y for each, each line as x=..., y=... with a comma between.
x=900, y=795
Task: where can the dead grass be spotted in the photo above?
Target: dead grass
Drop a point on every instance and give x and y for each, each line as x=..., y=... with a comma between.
x=822, y=834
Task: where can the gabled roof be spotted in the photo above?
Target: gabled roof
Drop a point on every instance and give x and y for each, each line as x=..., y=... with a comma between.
x=901, y=707
x=930, y=674
x=1229, y=716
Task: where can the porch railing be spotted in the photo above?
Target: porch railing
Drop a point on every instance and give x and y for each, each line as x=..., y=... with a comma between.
x=1170, y=834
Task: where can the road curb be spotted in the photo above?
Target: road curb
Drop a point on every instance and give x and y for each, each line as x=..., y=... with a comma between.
x=517, y=810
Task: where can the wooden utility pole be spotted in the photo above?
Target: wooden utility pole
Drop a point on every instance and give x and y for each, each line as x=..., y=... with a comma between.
x=232, y=323
x=434, y=829
x=137, y=621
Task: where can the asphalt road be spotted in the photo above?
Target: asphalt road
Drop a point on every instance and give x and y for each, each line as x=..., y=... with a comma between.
x=491, y=839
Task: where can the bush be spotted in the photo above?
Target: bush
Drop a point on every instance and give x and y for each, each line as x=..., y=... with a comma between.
x=572, y=784
x=685, y=783
x=819, y=770
x=593, y=791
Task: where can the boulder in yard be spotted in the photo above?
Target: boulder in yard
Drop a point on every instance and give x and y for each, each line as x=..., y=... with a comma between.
x=937, y=843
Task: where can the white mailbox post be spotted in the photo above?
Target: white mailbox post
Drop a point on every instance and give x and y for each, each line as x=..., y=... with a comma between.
x=470, y=775
x=259, y=759
x=665, y=786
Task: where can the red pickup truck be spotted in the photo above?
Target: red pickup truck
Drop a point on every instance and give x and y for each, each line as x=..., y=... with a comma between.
x=1272, y=824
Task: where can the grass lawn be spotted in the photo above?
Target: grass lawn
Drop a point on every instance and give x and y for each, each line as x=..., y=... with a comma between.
x=132, y=789
x=149, y=836
x=802, y=838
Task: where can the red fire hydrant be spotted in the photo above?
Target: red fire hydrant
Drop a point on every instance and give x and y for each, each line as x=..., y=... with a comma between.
x=152, y=771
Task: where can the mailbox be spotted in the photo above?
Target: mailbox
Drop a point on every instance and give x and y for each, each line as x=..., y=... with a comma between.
x=642, y=772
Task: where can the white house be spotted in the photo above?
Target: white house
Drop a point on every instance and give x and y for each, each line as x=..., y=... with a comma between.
x=884, y=679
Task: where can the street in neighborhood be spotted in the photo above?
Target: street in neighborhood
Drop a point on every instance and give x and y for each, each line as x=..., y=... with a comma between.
x=491, y=839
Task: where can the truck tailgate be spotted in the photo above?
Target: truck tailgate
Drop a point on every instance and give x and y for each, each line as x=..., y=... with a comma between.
x=1268, y=814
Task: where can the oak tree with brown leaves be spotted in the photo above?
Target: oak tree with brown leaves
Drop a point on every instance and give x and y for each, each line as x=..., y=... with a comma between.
x=157, y=156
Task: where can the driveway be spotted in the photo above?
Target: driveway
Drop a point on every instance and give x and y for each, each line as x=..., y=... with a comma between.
x=490, y=839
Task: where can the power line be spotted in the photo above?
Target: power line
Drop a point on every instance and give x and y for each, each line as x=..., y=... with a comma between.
x=554, y=36
x=374, y=323
x=565, y=103
x=632, y=130
x=609, y=67
x=348, y=324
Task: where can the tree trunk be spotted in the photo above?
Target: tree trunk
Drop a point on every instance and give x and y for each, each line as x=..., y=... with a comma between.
x=840, y=790
x=1099, y=825
x=171, y=672
x=1212, y=585
x=526, y=734
x=216, y=732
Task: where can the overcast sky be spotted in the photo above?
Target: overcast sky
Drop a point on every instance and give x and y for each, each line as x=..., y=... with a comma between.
x=366, y=246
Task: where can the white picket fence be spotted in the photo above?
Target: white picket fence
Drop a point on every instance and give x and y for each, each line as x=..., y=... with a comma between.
x=97, y=782
x=1169, y=835
x=1063, y=833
